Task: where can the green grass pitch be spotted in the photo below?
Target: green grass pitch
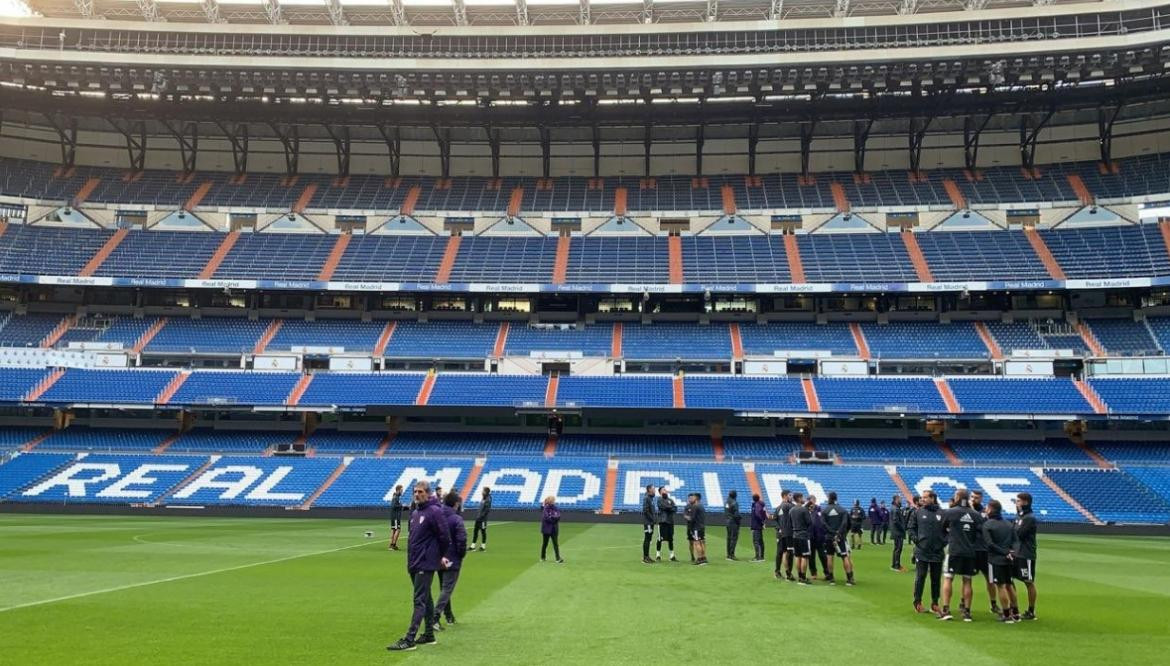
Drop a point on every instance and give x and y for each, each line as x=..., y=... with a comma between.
x=185, y=590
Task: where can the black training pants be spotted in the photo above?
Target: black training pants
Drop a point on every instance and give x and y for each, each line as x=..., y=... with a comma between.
x=424, y=603
x=732, y=537
x=758, y=543
x=647, y=536
x=447, y=581
x=544, y=546
x=818, y=548
x=480, y=528
x=896, y=560
x=935, y=571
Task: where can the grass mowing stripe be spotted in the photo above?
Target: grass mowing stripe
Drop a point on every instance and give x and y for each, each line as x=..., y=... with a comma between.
x=172, y=579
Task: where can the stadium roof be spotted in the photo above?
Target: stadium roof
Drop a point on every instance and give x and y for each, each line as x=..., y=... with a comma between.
x=490, y=12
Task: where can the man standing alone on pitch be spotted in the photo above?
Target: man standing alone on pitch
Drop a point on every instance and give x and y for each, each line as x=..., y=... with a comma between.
x=649, y=522
x=1025, y=555
x=898, y=529
x=731, y=512
x=450, y=576
x=856, y=524
x=429, y=540
x=926, y=526
x=962, y=526
x=1000, y=537
x=485, y=508
x=395, y=517
x=801, y=542
x=666, y=510
x=759, y=516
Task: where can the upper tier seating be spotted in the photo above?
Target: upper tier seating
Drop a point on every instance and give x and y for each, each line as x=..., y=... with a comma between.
x=27, y=330
x=1124, y=337
x=593, y=340
x=234, y=335
x=974, y=255
x=1131, y=395
x=744, y=393
x=892, y=395
x=666, y=340
x=1080, y=254
x=766, y=339
x=924, y=340
x=855, y=258
x=108, y=386
x=1002, y=395
x=209, y=387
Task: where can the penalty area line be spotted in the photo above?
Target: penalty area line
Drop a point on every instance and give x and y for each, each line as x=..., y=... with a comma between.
x=173, y=579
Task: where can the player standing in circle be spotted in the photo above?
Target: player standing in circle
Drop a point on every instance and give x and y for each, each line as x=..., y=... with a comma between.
x=649, y=522
x=696, y=517
x=926, y=526
x=837, y=526
x=1025, y=556
x=784, y=547
x=963, y=527
x=981, y=552
x=1000, y=537
x=485, y=508
x=395, y=517
x=666, y=510
x=731, y=512
x=801, y=542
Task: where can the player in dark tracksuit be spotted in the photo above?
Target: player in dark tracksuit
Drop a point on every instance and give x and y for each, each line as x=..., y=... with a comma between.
x=485, y=508
x=1000, y=537
x=801, y=541
x=430, y=539
x=449, y=577
x=981, y=552
x=731, y=512
x=395, y=517
x=856, y=524
x=649, y=522
x=898, y=518
x=696, y=517
x=818, y=534
x=837, y=526
x=666, y=510
x=758, y=517
x=875, y=521
x=963, y=527
x=926, y=526
x=1025, y=555
x=784, y=546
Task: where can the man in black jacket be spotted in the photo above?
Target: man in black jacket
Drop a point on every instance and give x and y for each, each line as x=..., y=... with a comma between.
x=784, y=546
x=898, y=528
x=485, y=508
x=696, y=517
x=837, y=528
x=649, y=521
x=1025, y=555
x=666, y=510
x=926, y=526
x=395, y=517
x=731, y=512
x=801, y=542
x=981, y=557
x=963, y=527
x=856, y=524
x=1000, y=537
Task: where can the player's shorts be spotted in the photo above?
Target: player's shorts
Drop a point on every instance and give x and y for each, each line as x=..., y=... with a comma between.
x=396, y=524
x=981, y=563
x=959, y=565
x=801, y=547
x=1000, y=574
x=696, y=535
x=1025, y=570
x=856, y=529
x=666, y=531
x=787, y=543
x=648, y=528
x=838, y=546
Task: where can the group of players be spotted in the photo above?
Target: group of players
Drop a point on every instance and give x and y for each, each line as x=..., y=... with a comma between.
x=965, y=539
x=436, y=546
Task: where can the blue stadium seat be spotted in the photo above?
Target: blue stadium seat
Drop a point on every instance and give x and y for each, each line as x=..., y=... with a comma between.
x=1113, y=495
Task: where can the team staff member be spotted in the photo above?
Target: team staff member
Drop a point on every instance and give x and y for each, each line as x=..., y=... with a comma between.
x=856, y=524
x=550, y=528
x=837, y=524
x=1025, y=555
x=818, y=534
x=395, y=517
x=1000, y=537
x=696, y=517
x=981, y=552
x=898, y=529
x=801, y=542
x=666, y=510
x=485, y=508
x=649, y=521
x=429, y=541
x=926, y=526
x=962, y=526
x=885, y=516
x=759, y=516
x=450, y=576
x=784, y=546
x=731, y=512
x=875, y=521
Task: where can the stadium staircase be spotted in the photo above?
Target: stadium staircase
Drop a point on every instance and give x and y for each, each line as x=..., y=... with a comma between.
x=87, y=189
x=225, y=246
x=954, y=194
x=103, y=253
x=993, y=347
x=859, y=340
x=148, y=335
x=1091, y=397
x=308, y=503
x=1090, y=339
x=424, y=391
x=948, y=452
x=610, y=489
x=839, y=199
x=443, y=275
x=472, y=477
x=1082, y=191
x=198, y=195
x=58, y=332
x=753, y=481
x=900, y=483
x=615, y=344
x=44, y=385
x=810, y=394
x=515, y=201
x=727, y=193
x=1041, y=248
x=550, y=393
x=267, y=336
x=795, y=263
x=167, y=443
x=921, y=267
x=302, y=385
x=948, y=396
x=736, y=341
x=334, y=257
x=172, y=387
x=561, y=263
x=305, y=199
x=187, y=481
x=1164, y=227
x=500, y=346
x=32, y=443
x=384, y=445
x=1060, y=492
x=676, y=261
x=384, y=338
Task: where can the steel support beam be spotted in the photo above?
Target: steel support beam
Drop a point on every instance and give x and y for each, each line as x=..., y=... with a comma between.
x=443, y=139
x=1030, y=129
x=861, y=130
x=393, y=139
x=134, y=131
x=187, y=134
x=806, y=138
x=290, y=140
x=917, y=133
x=67, y=137
x=972, y=129
x=341, y=146
x=237, y=136
x=1106, y=116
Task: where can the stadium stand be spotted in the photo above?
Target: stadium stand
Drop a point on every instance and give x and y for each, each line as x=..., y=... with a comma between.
x=1014, y=395
x=1131, y=395
x=1121, y=498
x=920, y=340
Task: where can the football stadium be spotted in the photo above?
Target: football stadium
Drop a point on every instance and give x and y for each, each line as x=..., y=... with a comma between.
x=805, y=330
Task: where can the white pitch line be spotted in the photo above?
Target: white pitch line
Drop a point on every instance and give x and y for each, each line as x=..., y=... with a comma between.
x=182, y=577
